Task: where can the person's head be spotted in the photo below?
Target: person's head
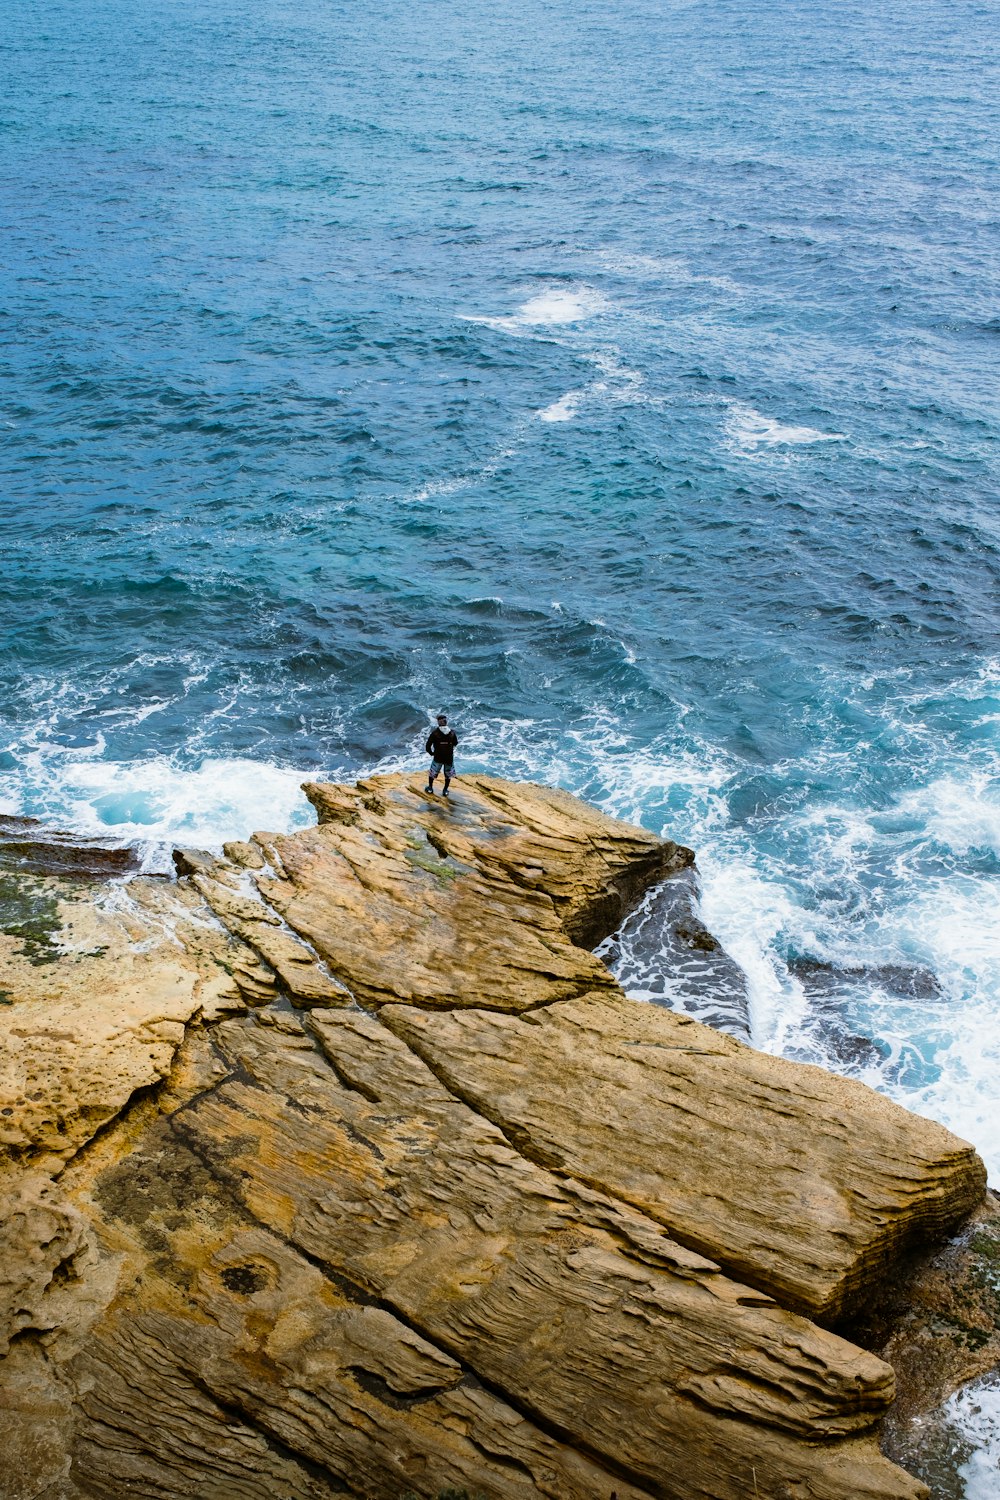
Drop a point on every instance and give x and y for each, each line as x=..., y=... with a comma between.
x=442, y=720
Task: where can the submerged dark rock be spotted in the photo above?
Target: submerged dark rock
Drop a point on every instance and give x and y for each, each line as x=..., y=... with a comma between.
x=28, y=847
x=907, y=981
x=663, y=952
x=832, y=991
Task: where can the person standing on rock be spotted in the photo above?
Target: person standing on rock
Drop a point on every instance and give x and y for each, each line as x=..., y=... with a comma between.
x=440, y=747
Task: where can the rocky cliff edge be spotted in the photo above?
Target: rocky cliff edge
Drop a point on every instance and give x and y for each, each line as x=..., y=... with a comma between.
x=341, y=1166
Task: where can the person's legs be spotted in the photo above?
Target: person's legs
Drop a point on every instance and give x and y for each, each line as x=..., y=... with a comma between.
x=432, y=774
x=447, y=778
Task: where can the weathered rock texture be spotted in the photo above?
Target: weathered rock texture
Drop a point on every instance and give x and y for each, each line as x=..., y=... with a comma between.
x=813, y=1187
x=938, y=1323
x=343, y=1167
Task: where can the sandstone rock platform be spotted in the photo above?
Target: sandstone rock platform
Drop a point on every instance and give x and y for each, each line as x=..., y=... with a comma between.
x=341, y=1166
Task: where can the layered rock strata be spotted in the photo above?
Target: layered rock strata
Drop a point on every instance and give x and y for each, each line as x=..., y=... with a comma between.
x=28, y=847
x=342, y=1166
x=813, y=1187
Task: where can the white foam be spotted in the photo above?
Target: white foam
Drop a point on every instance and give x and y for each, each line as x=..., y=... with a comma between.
x=563, y=410
x=643, y=265
x=952, y=926
x=930, y=909
x=555, y=307
x=155, y=803
x=620, y=386
x=962, y=816
x=748, y=430
x=751, y=916
x=975, y=1413
x=435, y=488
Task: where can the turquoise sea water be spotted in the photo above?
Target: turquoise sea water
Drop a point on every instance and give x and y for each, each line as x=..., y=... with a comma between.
x=621, y=378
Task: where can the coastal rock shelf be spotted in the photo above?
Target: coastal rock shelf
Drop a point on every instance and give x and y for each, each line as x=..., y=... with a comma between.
x=812, y=1186
x=341, y=1165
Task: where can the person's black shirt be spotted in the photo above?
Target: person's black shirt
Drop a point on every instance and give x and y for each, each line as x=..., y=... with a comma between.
x=441, y=744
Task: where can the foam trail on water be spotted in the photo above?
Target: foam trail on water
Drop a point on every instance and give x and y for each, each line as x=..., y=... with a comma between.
x=672, y=268
x=747, y=430
x=620, y=386
x=555, y=307
x=435, y=489
x=563, y=410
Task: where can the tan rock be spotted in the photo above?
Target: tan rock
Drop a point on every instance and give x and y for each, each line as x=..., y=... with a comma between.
x=593, y=867
x=40, y=1239
x=226, y=1363
x=255, y=1376
x=295, y=964
x=37, y=1417
x=101, y=1014
x=289, y=1257
x=802, y=1184
x=243, y=853
x=581, y=1311
x=257, y=981
x=437, y=903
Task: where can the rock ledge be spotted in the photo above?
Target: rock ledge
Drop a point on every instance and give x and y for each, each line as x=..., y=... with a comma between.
x=342, y=1166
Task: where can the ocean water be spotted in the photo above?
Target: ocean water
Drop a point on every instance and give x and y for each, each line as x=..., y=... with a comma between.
x=621, y=378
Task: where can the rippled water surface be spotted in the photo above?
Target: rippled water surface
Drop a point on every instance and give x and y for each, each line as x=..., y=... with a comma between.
x=622, y=378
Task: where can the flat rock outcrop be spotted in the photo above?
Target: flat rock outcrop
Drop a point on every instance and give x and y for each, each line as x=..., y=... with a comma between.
x=341, y=1166
x=813, y=1188
x=481, y=900
x=28, y=847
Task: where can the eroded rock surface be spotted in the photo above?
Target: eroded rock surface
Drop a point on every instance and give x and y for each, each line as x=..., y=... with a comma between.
x=802, y=1184
x=342, y=1167
x=96, y=998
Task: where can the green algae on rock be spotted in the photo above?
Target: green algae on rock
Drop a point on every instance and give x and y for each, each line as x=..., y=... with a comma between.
x=29, y=912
